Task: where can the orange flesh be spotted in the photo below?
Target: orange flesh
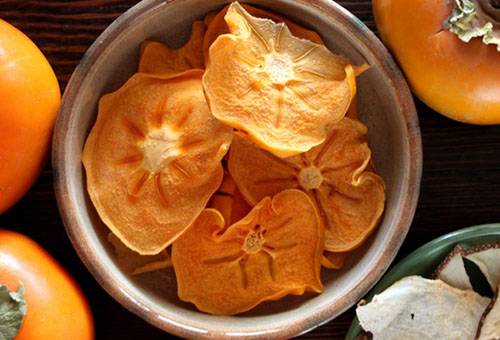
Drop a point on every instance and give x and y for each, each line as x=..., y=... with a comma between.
x=153, y=158
x=272, y=252
x=335, y=174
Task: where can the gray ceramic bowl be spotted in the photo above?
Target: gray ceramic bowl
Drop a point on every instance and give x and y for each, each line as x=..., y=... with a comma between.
x=386, y=106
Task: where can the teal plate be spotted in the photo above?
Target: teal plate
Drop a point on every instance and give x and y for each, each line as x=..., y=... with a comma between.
x=425, y=259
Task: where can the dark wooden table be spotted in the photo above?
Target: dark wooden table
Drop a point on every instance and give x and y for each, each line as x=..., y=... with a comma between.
x=460, y=185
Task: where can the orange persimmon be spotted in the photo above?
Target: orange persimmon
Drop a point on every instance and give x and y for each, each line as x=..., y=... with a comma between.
x=56, y=307
x=29, y=100
x=460, y=80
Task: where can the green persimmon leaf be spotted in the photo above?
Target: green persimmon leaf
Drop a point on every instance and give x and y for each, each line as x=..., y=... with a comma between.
x=12, y=311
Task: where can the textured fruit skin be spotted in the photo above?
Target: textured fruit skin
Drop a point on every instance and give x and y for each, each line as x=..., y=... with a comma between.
x=29, y=100
x=57, y=309
x=460, y=80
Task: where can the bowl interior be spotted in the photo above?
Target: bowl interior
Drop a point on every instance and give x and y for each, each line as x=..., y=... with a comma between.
x=381, y=108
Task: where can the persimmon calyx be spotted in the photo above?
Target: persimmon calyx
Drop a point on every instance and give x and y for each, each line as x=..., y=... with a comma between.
x=12, y=311
x=476, y=19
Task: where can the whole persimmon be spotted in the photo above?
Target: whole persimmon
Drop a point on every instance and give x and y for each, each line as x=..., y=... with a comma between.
x=442, y=47
x=55, y=306
x=29, y=100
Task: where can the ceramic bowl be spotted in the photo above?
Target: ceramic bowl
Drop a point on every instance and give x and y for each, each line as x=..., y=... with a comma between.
x=385, y=105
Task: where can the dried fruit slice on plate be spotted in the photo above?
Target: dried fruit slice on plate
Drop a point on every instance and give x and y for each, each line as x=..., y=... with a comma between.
x=156, y=57
x=134, y=263
x=286, y=93
x=153, y=158
x=487, y=258
x=272, y=252
x=418, y=308
x=452, y=269
x=335, y=174
x=489, y=326
x=216, y=25
x=229, y=201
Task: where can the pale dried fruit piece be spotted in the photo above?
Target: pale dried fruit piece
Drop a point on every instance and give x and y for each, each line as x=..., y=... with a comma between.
x=153, y=158
x=487, y=258
x=157, y=58
x=229, y=201
x=333, y=260
x=272, y=252
x=452, y=270
x=422, y=309
x=216, y=25
x=489, y=327
x=335, y=174
x=134, y=263
x=286, y=93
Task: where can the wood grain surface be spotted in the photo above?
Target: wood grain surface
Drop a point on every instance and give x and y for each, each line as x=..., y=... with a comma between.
x=460, y=185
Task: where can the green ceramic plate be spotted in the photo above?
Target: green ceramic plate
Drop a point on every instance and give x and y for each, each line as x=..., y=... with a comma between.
x=425, y=259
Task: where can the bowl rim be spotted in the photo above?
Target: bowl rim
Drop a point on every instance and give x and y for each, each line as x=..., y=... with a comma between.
x=410, y=182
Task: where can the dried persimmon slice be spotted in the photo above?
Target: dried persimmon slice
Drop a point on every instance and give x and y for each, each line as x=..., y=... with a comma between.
x=153, y=158
x=286, y=93
x=333, y=260
x=273, y=251
x=158, y=58
x=216, y=25
x=336, y=174
x=229, y=201
x=134, y=263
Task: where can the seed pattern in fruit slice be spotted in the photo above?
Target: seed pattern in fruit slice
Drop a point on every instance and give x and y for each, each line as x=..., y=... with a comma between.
x=157, y=58
x=229, y=201
x=273, y=251
x=216, y=25
x=153, y=158
x=286, y=93
x=335, y=174
x=134, y=263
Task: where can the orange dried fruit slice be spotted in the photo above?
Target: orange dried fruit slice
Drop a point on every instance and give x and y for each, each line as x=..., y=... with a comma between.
x=216, y=25
x=285, y=93
x=153, y=158
x=335, y=174
x=333, y=260
x=229, y=201
x=134, y=263
x=352, y=112
x=157, y=58
x=273, y=251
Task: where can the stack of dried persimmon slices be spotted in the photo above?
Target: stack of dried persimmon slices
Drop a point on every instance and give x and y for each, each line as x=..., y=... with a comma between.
x=238, y=159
